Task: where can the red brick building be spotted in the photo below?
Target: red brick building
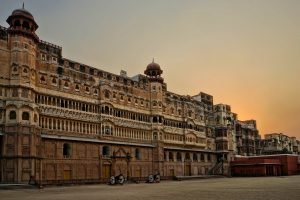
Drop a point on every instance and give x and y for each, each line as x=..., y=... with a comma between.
x=269, y=165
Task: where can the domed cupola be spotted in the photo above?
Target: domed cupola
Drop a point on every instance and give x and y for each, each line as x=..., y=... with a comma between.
x=22, y=22
x=154, y=72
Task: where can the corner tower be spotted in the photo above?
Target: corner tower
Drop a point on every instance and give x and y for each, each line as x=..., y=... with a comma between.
x=153, y=73
x=20, y=138
x=22, y=42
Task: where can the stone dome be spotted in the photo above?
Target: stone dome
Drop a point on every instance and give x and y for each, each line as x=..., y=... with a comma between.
x=153, y=66
x=22, y=12
x=153, y=69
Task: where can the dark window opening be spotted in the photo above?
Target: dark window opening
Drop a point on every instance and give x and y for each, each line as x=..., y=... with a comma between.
x=25, y=116
x=171, y=156
x=67, y=150
x=17, y=23
x=105, y=151
x=106, y=94
x=137, y=154
x=35, y=118
x=178, y=156
x=187, y=157
x=60, y=70
x=195, y=157
x=82, y=68
x=202, y=157
x=12, y=115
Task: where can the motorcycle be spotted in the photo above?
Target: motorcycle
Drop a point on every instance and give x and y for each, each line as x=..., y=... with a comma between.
x=154, y=178
x=120, y=179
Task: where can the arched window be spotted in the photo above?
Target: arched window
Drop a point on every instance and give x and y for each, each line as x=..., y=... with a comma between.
x=77, y=87
x=106, y=110
x=25, y=116
x=66, y=84
x=202, y=157
x=137, y=154
x=178, y=156
x=106, y=94
x=179, y=112
x=54, y=81
x=171, y=156
x=208, y=157
x=35, y=118
x=12, y=114
x=17, y=23
x=172, y=111
x=187, y=157
x=43, y=79
x=195, y=159
x=155, y=136
x=25, y=25
x=105, y=151
x=82, y=68
x=60, y=70
x=67, y=150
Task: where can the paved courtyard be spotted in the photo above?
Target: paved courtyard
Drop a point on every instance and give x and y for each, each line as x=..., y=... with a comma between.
x=269, y=188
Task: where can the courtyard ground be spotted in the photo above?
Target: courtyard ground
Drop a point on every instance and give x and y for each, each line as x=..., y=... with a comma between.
x=259, y=188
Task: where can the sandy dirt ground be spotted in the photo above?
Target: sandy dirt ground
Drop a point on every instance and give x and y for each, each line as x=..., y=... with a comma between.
x=264, y=188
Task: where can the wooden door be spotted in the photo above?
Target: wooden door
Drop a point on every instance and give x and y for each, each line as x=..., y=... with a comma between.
x=106, y=171
x=187, y=170
x=67, y=174
x=171, y=172
x=138, y=172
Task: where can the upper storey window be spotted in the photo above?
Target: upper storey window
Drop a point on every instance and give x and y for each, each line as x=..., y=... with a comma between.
x=190, y=113
x=82, y=68
x=154, y=104
x=87, y=89
x=138, y=154
x=43, y=80
x=92, y=71
x=25, y=71
x=24, y=93
x=105, y=151
x=17, y=23
x=66, y=85
x=12, y=114
x=43, y=57
x=95, y=92
x=67, y=150
x=54, y=82
x=121, y=97
x=77, y=87
x=106, y=94
x=15, y=92
x=25, y=116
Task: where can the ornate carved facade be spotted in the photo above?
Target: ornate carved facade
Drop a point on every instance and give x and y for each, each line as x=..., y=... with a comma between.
x=65, y=122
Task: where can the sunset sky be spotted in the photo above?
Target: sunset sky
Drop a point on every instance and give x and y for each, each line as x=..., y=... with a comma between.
x=244, y=53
